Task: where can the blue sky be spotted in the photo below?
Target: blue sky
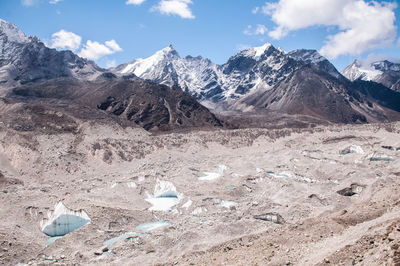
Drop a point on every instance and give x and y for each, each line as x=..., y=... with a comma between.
x=215, y=29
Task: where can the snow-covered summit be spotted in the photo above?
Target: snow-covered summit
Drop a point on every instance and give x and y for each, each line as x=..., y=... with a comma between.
x=386, y=65
x=167, y=67
x=12, y=33
x=308, y=56
x=368, y=71
x=24, y=59
x=143, y=66
x=257, y=52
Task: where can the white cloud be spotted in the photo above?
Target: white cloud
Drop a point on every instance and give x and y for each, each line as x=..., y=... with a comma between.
x=175, y=7
x=242, y=47
x=372, y=58
x=255, y=10
x=111, y=63
x=134, y=2
x=29, y=2
x=362, y=25
x=65, y=40
x=258, y=30
x=95, y=50
x=53, y=2
x=113, y=45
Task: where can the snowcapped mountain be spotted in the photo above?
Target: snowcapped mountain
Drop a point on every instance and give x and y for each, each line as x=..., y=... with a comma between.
x=192, y=74
x=384, y=72
x=35, y=77
x=25, y=59
x=255, y=68
x=256, y=80
x=357, y=71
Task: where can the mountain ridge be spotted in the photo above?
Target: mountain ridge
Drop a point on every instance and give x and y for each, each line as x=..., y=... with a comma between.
x=244, y=72
x=256, y=80
x=384, y=72
x=26, y=59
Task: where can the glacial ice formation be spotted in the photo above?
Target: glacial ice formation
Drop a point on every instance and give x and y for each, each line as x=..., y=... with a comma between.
x=227, y=204
x=380, y=157
x=198, y=210
x=187, y=204
x=165, y=196
x=291, y=175
x=352, y=149
x=51, y=240
x=214, y=175
x=147, y=227
x=63, y=221
x=110, y=242
x=280, y=175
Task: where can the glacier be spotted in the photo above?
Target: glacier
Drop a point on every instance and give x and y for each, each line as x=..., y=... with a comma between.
x=147, y=227
x=227, y=204
x=63, y=221
x=209, y=176
x=165, y=197
x=352, y=149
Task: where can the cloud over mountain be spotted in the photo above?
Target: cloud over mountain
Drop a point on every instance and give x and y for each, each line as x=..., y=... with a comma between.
x=360, y=25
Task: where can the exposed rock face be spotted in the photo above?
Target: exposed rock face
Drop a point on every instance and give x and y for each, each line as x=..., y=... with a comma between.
x=352, y=190
x=314, y=92
x=129, y=101
x=270, y=217
x=26, y=59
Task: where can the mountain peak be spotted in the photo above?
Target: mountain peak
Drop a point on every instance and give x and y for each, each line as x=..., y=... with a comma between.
x=307, y=55
x=12, y=32
x=168, y=49
x=167, y=52
x=386, y=65
x=258, y=51
x=357, y=62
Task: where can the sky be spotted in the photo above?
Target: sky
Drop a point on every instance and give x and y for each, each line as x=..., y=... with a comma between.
x=112, y=32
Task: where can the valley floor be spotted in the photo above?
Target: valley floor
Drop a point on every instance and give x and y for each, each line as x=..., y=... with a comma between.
x=243, y=197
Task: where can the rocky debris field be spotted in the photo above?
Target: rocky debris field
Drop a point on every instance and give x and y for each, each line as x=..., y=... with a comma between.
x=102, y=195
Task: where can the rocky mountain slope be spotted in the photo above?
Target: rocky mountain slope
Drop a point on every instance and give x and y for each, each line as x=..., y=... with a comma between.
x=312, y=91
x=26, y=59
x=384, y=72
x=132, y=102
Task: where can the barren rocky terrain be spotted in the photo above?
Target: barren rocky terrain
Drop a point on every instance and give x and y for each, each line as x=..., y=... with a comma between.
x=322, y=195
